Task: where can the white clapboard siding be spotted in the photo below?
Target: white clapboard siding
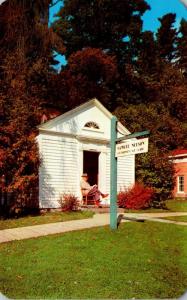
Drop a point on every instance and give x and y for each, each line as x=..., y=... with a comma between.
x=108, y=171
x=125, y=172
x=58, y=170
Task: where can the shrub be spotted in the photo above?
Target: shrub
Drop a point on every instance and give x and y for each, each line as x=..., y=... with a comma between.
x=69, y=202
x=137, y=197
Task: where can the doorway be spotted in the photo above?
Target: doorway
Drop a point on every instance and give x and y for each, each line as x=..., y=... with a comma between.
x=91, y=166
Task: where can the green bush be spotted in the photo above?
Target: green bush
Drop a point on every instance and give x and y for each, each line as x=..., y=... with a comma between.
x=154, y=169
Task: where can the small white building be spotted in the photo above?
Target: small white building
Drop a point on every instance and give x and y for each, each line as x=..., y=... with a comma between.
x=79, y=142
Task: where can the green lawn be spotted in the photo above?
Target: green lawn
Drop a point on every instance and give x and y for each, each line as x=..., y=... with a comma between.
x=177, y=218
x=49, y=217
x=177, y=205
x=173, y=205
x=139, y=260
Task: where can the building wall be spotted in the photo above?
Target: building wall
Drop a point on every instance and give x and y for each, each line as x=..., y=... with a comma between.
x=180, y=170
x=58, y=171
x=62, y=166
x=125, y=171
x=62, y=142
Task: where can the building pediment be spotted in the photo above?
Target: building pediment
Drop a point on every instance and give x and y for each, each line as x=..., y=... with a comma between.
x=89, y=120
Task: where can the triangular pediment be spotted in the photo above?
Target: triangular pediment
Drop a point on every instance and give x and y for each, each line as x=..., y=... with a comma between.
x=88, y=119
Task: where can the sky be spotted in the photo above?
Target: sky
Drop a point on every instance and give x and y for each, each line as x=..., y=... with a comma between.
x=160, y=8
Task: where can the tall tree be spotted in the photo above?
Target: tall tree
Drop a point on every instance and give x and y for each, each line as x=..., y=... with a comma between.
x=26, y=46
x=26, y=32
x=109, y=25
x=182, y=47
x=167, y=37
x=90, y=73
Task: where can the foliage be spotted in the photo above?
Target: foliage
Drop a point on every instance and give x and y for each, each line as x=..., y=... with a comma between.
x=156, y=170
x=166, y=37
x=137, y=197
x=26, y=46
x=167, y=132
x=69, y=202
x=182, y=47
x=100, y=24
x=90, y=73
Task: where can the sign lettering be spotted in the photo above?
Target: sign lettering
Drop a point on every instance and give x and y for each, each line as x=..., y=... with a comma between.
x=132, y=147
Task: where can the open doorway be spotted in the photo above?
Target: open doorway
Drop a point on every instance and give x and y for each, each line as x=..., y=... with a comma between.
x=91, y=166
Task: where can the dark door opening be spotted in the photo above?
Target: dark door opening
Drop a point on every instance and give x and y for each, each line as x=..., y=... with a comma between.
x=91, y=166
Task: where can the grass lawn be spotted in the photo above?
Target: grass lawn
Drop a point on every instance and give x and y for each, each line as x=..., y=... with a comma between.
x=173, y=205
x=49, y=217
x=139, y=260
x=177, y=218
x=177, y=205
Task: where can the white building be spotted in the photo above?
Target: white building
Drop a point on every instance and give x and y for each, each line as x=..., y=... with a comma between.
x=76, y=142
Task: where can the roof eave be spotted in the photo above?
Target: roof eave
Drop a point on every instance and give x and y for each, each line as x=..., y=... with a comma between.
x=93, y=101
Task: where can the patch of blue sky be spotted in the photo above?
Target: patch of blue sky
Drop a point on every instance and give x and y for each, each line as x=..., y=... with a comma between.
x=52, y=17
x=54, y=10
x=160, y=8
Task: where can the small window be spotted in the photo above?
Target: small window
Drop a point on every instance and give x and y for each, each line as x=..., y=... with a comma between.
x=92, y=125
x=180, y=184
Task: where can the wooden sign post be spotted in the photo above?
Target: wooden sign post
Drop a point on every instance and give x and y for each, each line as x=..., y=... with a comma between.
x=121, y=149
x=113, y=175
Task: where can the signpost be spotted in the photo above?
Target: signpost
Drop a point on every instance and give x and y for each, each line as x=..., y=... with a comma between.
x=129, y=147
x=113, y=175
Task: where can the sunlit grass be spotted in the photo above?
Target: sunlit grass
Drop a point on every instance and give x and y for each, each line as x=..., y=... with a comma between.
x=48, y=217
x=172, y=205
x=177, y=218
x=139, y=260
x=177, y=205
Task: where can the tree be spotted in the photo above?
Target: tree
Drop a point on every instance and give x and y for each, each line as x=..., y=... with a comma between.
x=90, y=73
x=100, y=24
x=166, y=132
x=182, y=47
x=26, y=33
x=26, y=47
x=154, y=169
x=167, y=37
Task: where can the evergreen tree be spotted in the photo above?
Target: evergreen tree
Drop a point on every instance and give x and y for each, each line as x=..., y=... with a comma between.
x=167, y=37
x=109, y=25
x=182, y=47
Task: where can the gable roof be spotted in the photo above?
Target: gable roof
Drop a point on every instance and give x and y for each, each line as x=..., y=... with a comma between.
x=86, y=105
